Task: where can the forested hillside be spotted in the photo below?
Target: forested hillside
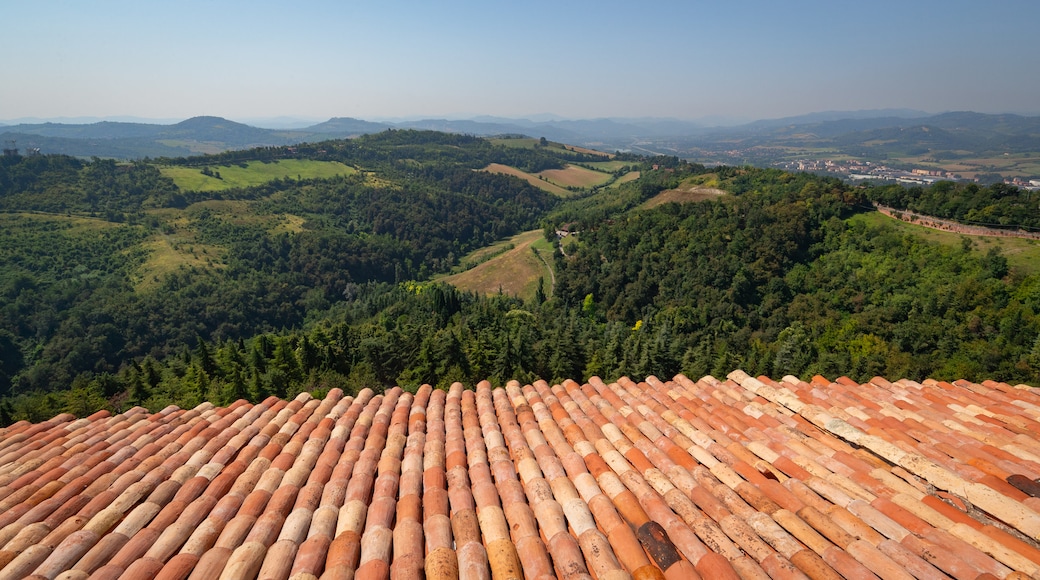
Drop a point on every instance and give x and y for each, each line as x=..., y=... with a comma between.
x=121, y=288
x=104, y=263
x=998, y=205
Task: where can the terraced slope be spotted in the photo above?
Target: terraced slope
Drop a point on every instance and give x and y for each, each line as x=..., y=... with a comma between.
x=739, y=478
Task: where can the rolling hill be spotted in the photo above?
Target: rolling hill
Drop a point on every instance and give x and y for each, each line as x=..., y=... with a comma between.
x=318, y=266
x=875, y=134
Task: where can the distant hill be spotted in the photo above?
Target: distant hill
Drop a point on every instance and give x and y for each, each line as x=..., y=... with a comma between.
x=135, y=140
x=827, y=116
x=346, y=126
x=878, y=132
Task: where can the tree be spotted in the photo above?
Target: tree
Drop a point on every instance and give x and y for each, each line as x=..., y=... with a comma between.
x=793, y=351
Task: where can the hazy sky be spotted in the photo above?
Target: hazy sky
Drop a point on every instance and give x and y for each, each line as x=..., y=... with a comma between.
x=582, y=59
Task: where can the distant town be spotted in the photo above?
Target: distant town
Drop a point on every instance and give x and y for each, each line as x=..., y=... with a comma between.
x=855, y=171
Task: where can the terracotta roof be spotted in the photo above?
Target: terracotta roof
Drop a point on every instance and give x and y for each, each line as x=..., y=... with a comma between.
x=738, y=478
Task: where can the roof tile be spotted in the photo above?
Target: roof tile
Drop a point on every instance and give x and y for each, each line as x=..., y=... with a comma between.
x=744, y=477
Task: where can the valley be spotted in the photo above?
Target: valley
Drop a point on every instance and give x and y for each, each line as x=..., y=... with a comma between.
x=406, y=257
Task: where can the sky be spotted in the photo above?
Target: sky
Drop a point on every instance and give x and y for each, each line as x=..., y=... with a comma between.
x=387, y=59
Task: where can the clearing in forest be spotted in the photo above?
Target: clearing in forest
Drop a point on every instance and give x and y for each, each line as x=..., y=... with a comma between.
x=514, y=272
x=169, y=253
x=686, y=194
x=529, y=178
x=254, y=173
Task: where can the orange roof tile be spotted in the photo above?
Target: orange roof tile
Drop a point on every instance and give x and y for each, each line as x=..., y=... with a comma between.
x=743, y=477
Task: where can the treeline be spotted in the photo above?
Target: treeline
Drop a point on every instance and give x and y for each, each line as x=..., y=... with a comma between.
x=998, y=205
x=383, y=334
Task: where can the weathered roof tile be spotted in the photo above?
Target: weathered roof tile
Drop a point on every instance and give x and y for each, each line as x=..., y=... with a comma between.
x=745, y=477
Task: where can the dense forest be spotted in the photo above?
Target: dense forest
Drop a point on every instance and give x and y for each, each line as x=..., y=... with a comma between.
x=998, y=205
x=778, y=277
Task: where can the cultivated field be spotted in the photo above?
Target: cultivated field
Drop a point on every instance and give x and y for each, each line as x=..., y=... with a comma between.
x=588, y=151
x=1012, y=165
x=1020, y=253
x=514, y=272
x=254, y=173
x=529, y=178
x=575, y=176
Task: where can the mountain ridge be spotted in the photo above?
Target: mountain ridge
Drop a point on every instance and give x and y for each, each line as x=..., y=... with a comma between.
x=209, y=134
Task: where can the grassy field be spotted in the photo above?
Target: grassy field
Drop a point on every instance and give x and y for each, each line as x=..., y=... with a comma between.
x=174, y=246
x=255, y=173
x=168, y=253
x=529, y=178
x=682, y=195
x=610, y=166
x=174, y=243
x=1020, y=253
x=630, y=176
x=514, y=272
x=574, y=176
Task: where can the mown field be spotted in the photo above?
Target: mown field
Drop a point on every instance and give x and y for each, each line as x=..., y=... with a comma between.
x=575, y=176
x=529, y=178
x=254, y=173
x=514, y=272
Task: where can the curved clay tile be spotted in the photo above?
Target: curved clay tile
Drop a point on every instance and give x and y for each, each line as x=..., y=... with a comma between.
x=643, y=479
x=502, y=555
x=568, y=558
x=530, y=548
x=658, y=529
x=619, y=535
x=441, y=558
x=345, y=549
x=470, y=553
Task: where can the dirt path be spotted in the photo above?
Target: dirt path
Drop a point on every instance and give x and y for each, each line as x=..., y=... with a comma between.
x=952, y=226
x=552, y=275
